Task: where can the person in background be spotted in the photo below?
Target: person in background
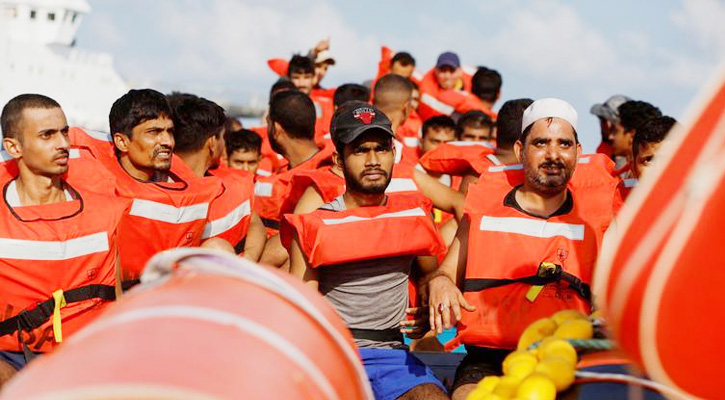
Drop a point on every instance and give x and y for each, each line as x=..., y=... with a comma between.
x=608, y=114
x=243, y=150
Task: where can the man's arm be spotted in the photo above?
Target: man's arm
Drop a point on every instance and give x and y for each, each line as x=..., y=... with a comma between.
x=443, y=197
x=256, y=238
x=466, y=182
x=443, y=294
x=310, y=201
x=299, y=266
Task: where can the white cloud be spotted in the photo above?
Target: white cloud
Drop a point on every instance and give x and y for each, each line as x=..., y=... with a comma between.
x=703, y=20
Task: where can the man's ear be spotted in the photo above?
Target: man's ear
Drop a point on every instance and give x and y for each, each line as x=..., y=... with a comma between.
x=337, y=159
x=578, y=150
x=121, y=141
x=13, y=147
x=518, y=150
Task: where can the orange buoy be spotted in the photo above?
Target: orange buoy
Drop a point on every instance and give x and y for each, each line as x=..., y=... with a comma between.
x=660, y=278
x=204, y=325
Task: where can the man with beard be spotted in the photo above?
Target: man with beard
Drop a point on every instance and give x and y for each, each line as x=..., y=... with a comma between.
x=358, y=251
x=527, y=244
x=167, y=210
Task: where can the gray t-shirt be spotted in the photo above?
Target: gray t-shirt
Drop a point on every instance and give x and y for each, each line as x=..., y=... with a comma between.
x=370, y=294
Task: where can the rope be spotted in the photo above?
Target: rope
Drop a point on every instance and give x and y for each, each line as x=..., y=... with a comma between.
x=585, y=344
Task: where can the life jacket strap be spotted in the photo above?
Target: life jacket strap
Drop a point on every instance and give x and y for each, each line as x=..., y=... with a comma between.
x=543, y=276
x=378, y=335
x=33, y=318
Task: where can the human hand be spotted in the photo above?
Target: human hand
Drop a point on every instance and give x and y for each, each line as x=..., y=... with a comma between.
x=445, y=297
x=416, y=325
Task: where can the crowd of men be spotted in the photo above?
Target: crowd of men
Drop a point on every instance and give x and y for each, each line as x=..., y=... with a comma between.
x=409, y=203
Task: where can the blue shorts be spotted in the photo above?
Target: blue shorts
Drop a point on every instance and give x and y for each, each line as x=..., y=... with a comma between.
x=15, y=359
x=392, y=372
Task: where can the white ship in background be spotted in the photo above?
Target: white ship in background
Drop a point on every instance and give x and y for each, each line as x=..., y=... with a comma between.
x=38, y=55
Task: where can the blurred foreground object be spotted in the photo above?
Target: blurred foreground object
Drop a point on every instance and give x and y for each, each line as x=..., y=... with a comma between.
x=204, y=325
x=660, y=276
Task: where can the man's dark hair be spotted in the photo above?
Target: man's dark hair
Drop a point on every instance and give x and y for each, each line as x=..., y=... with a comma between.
x=300, y=65
x=654, y=130
x=229, y=122
x=633, y=114
x=295, y=112
x=281, y=85
x=196, y=119
x=403, y=58
x=244, y=140
x=136, y=107
x=549, y=120
x=12, y=113
x=486, y=84
x=388, y=84
x=508, y=123
x=438, y=122
x=473, y=119
x=349, y=92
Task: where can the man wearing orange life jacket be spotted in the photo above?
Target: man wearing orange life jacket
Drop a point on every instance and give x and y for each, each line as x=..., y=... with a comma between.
x=632, y=115
x=646, y=143
x=199, y=140
x=58, y=242
x=351, y=251
x=302, y=74
x=527, y=245
x=244, y=150
x=291, y=122
x=167, y=210
x=444, y=91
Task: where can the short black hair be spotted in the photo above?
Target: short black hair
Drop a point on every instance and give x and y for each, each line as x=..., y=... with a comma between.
x=438, y=122
x=13, y=112
x=486, y=84
x=633, y=114
x=281, y=85
x=654, y=130
x=404, y=58
x=300, y=64
x=549, y=120
x=196, y=119
x=508, y=123
x=295, y=112
x=473, y=119
x=136, y=107
x=243, y=139
x=350, y=91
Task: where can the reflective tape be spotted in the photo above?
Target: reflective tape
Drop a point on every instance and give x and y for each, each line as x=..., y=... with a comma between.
x=167, y=213
x=41, y=250
x=413, y=212
x=532, y=227
x=227, y=222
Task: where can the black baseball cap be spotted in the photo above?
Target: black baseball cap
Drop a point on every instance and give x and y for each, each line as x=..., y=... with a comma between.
x=354, y=118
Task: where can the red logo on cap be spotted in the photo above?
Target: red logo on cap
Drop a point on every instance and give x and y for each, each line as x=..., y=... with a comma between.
x=365, y=115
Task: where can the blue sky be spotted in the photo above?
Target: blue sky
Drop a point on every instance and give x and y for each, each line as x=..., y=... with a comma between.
x=582, y=51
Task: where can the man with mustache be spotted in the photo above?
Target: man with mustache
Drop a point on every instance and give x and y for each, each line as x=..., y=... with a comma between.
x=527, y=244
x=58, y=240
x=359, y=249
x=167, y=210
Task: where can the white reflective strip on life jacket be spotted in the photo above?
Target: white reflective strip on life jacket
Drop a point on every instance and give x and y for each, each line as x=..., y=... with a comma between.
x=510, y=167
x=411, y=141
x=263, y=189
x=327, y=136
x=445, y=179
x=262, y=172
x=41, y=250
x=466, y=143
x=417, y=75
x=516, y=167
x=413, y=212
x=167, y=213
x=630, y=183
x=398, y=151
x=532, y=227
x=5, y=156
x=318, y=110
x=494, y=159
x=401, y=185
x=106, y=137
x=436, y=104
x=227, y=222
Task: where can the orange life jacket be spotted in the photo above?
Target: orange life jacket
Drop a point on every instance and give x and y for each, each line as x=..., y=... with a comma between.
x=163, y=215
x=271, y=161
x=457, y=158
x=409, y=132
x=230, y=212
x=271, y=193
x=626, y=186
x=436, y=101
x=53, y=254
x=511, y=252
x=324, y=109
x=401, y=227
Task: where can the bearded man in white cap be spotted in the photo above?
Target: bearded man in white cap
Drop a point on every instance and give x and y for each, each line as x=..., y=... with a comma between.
x=526, y=247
